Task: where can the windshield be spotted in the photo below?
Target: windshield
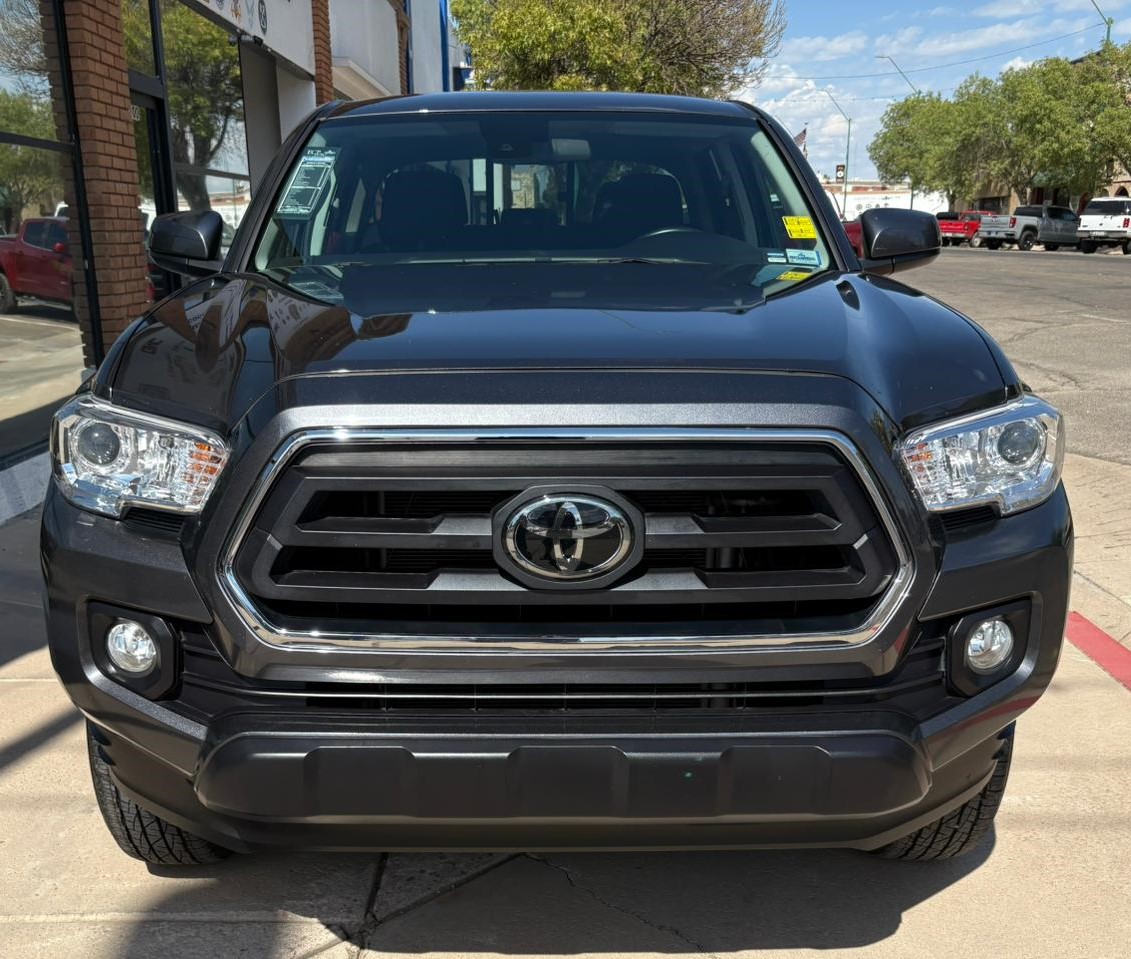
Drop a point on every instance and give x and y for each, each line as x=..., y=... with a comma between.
x=452, y=211
x=1112, y=207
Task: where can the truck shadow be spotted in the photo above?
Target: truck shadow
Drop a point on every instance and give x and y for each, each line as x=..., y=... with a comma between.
x=577, y=903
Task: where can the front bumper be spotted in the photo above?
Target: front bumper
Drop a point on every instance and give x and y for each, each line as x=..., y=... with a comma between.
x=857, y=777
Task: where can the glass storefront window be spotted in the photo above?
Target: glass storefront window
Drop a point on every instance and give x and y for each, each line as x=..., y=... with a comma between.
x=137, y=25
x=25, y=78
x=205, y=89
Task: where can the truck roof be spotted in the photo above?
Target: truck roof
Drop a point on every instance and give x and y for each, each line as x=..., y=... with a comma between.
x=464, y=102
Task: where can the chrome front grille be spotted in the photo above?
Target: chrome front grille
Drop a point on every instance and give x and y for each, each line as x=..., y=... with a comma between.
x=385, y=540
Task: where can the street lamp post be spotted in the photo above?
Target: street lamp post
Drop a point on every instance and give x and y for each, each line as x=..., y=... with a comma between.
x=847, y=153
x=1109, y=22
x=915, y=90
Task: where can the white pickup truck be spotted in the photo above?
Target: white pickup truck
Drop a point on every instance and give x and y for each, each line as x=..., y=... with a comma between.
x=1106, y=222
x=1054, y=226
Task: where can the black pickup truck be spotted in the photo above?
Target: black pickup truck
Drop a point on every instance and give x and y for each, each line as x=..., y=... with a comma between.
x=543, y=471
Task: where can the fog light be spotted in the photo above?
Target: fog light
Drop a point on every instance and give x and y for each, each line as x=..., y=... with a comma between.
x=989, y=646
x=131, y=648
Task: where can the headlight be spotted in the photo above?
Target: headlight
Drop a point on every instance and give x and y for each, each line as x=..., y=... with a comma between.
x=106, y=458
x=1010, y=457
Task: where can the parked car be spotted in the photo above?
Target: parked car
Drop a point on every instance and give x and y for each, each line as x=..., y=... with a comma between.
x=1054, y=226
x=1106, y=221
x=959, y=228
x=855, y=236
x=36, y=262
x=639, y=513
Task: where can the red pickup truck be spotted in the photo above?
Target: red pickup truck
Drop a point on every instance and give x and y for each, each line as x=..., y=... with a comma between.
x=36, y=262
x=959, y=228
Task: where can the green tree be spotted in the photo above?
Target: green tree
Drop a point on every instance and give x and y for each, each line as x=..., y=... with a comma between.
x=692, y=47
x=28, y=177
x=915, y=139
x=202, y=74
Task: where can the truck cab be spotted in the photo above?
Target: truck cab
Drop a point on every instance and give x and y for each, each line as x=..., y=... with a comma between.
x=36, y=262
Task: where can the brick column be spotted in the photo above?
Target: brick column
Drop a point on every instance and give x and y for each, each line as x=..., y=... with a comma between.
x=323, y=58
x=106, y=135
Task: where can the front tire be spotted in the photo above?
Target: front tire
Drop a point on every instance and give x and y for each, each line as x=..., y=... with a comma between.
x=961, y=831
x=7, y=296
x=1127, y=247
x=138, y=832
x=975, y=242
x=1088, y=246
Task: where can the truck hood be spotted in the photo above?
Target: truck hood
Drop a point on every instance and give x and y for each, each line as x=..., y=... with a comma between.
x=207, y=354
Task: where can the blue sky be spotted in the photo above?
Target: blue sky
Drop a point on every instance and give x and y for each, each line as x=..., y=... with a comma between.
x=834, y=46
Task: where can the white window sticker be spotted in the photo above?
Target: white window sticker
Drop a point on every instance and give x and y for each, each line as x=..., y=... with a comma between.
x=804, y=257
x=308, y=182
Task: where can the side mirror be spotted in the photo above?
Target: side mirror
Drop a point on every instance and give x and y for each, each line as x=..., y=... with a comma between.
x=187, y=243
x=61, y=248
x=896, y=240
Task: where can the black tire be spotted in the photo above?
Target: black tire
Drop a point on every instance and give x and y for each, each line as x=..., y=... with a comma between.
x=1127, y=247
x=1028, y=238
x=993, y=244
x=138, y=832
x=1087, y=246
x=1052, y=247
x=7, y=297
x=962, y=830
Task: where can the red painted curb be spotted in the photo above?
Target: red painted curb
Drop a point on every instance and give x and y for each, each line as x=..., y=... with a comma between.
x=1110, y=655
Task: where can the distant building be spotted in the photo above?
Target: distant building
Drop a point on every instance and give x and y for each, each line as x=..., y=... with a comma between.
x=871, y=194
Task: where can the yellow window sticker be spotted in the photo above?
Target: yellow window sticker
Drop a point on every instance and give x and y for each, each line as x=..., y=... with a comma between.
x=794, y=275
x=799, y=227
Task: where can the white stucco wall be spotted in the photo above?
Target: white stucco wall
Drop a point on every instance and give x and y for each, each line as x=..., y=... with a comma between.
x=363, y=39
x=427, y=47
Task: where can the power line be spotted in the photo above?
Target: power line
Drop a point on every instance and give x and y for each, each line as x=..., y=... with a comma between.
x=941, y=66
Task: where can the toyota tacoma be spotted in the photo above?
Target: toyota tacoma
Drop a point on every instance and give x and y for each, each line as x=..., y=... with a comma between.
x=543, y=471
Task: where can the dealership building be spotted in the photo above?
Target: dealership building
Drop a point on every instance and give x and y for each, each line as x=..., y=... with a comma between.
x=116, y=111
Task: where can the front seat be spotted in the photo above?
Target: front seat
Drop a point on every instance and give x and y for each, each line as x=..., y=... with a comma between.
x=421, y=209
x=640, y=203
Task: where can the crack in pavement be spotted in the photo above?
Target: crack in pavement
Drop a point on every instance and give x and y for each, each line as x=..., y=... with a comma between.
x=362, y=940
x=658, y=926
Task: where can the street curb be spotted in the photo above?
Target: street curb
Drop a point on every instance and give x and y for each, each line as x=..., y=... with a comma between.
x=1104, y=650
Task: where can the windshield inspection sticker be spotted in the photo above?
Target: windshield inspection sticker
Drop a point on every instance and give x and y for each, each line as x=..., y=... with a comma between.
x=804, y=257
x=309, y=181
x=799, y=227
x=794, y=275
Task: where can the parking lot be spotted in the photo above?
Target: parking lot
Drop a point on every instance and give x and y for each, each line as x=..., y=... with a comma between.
x=1054, y=881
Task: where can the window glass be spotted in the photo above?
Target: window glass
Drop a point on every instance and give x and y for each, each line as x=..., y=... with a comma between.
x=41, y=355
x=138, y=27
x=27, y=73
x=711, y=201
x=206, y=111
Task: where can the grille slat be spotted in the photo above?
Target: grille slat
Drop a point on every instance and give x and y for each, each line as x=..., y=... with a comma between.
x=348, y=535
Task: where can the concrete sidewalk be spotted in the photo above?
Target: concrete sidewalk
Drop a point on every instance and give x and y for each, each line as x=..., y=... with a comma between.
x=1055, y=881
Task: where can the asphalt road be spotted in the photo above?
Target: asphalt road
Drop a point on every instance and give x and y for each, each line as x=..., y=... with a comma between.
x=1064, y=320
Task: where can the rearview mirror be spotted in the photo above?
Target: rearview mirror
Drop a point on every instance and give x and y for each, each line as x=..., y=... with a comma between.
x=895, y=240
x=187, y=243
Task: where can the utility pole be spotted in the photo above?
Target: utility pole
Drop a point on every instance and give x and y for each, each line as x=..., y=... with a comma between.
x=847, y=153
x=916, y=91
x=1109, y=22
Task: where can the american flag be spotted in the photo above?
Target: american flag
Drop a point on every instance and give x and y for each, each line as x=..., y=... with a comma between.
x=802, y=140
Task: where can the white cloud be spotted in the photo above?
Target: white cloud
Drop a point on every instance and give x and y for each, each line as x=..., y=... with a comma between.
x=1017, y=63
x=911, y=43
x=823, y=49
